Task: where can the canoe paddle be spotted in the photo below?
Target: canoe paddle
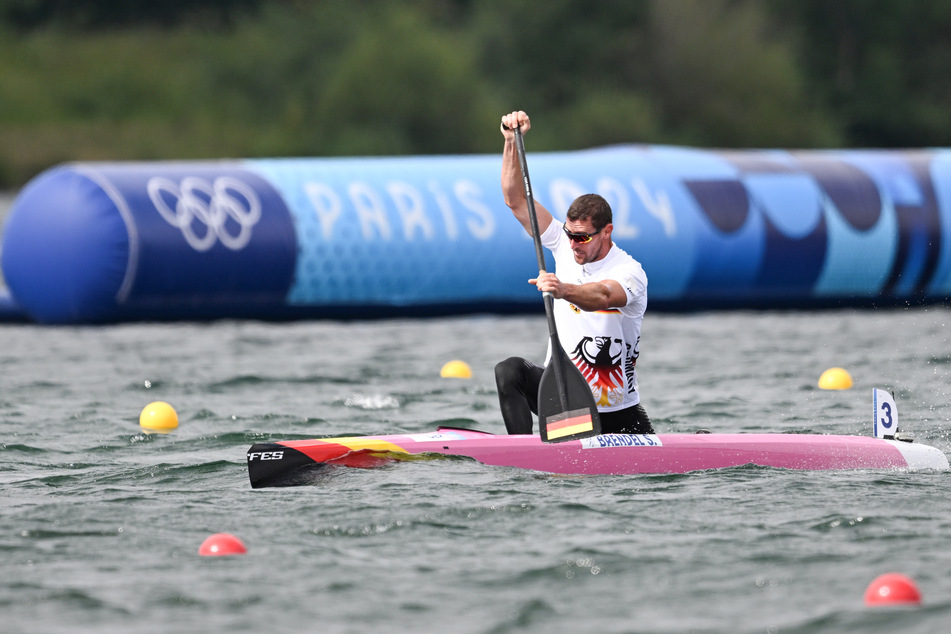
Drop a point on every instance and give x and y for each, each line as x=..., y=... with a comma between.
x=566, y=407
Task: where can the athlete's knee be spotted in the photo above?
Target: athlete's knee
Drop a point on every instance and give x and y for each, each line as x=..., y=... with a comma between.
x=508, y=373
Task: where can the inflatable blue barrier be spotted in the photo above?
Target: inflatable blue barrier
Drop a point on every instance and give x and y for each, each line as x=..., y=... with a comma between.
x=363, y=237
x=10, y=311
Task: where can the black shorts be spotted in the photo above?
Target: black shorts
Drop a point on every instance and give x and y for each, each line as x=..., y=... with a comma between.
x=631, y=420
x=517, y=381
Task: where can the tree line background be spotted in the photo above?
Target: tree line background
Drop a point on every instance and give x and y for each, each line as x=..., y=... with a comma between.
x=183, y=79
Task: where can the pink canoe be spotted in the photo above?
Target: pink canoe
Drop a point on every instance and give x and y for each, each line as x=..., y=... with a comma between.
x=287, y=462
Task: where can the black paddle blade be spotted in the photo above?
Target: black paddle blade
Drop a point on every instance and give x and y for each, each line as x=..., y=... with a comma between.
x=566, y=412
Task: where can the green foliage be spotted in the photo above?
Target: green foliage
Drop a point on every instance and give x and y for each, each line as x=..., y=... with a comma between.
x=882, y=67
x=179, y=79
x=726, y=79
x=405, y=87
x=94, y=14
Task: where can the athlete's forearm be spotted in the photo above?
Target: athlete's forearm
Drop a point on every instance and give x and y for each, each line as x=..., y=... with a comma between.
x=590, y=297
x=513, y=189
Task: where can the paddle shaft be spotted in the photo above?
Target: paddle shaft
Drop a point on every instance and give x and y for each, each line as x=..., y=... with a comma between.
x=556, y=358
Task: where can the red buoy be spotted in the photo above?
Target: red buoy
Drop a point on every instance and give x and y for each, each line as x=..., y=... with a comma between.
x=892, y=589
x=222, y=544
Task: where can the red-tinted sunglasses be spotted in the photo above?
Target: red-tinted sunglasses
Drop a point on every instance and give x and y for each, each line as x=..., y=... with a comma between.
x=580, y=238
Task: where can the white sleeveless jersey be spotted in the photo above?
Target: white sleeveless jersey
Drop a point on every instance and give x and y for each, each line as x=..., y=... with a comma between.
x=603, y=344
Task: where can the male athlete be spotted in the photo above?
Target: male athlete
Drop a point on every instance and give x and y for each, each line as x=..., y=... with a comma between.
x=600, y=297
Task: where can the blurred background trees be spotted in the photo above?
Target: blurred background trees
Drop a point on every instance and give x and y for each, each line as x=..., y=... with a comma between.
x=181, y=79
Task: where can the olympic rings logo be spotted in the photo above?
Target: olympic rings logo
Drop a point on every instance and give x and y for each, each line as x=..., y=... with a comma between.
x=227, y=209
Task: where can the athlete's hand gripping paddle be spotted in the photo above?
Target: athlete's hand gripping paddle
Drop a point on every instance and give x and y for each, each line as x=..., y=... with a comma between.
x=566, y=407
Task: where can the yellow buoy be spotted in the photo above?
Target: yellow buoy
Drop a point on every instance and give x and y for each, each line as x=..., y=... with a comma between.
x=835, y=379
x=456, y=370
x=158, y=416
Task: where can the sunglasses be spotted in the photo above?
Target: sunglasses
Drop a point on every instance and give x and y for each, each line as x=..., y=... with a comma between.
x=580, y=238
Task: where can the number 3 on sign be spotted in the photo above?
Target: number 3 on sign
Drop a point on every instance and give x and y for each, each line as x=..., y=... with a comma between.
x=885, y=414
